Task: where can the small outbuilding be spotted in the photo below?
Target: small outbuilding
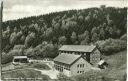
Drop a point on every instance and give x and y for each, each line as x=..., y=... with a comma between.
x=20, y=59
x=102, y=64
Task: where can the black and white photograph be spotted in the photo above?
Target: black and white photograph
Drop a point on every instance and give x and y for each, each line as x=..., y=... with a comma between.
x=63, y=40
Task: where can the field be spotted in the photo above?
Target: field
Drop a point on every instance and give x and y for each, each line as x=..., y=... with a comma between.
x=117, y=65
x=40, y=66
x=10, y=66
x=24, y=73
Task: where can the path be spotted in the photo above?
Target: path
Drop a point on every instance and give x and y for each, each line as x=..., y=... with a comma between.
x=51, y=73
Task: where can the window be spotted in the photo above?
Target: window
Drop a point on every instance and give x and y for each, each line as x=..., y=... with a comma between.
x=83, y=65
x=78, y=65
x=80, y=71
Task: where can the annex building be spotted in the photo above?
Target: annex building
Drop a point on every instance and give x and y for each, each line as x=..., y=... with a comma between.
x=76, y=59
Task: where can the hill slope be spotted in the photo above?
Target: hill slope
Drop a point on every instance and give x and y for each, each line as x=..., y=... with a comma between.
x=67, y=27
x=116, y=70
x=118, y=65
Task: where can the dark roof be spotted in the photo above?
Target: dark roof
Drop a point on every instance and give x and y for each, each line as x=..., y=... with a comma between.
x=66, y=58
x=19, y=57
x=80, y=48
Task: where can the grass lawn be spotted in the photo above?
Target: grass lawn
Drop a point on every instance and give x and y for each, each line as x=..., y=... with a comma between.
x=4, y=65
x=117, y=65
x=24, y=73
x=40, y=66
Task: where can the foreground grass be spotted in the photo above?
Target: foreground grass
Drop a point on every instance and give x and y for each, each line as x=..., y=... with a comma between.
x=117, y=65
x=24, y=73
x=40, y=66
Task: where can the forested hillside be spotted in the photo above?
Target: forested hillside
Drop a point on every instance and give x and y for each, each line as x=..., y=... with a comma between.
x=41, y=36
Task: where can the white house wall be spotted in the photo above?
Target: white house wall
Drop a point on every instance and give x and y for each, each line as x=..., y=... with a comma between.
x=75, y=68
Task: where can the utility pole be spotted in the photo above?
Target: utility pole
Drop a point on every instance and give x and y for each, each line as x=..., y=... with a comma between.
x=1, y=18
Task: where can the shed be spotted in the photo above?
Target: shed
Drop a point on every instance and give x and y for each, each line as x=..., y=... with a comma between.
x=102, y=64
x=20, y=59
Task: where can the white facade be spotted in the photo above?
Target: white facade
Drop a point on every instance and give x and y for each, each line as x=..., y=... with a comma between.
x=79, y=67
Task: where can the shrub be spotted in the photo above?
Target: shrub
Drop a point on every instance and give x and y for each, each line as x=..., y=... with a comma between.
x=6, y=58
x=111, y=46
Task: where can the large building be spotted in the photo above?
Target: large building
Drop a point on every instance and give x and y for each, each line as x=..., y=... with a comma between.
x=90, y=53
x=76, y=59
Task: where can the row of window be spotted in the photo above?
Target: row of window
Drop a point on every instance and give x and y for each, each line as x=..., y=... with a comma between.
x=80, y=71
x=72, y=52
x=80, y=65
x=65, y=66
x=61, y=67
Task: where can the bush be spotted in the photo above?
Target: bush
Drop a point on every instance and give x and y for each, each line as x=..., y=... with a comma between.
x=111, y=46
x=6, y=58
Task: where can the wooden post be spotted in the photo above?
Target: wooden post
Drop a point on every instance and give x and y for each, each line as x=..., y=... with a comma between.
x=1, y=18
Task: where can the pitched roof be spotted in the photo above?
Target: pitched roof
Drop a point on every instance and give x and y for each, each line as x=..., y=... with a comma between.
x=19, y=57
x=80, y=48
x=66, y=58
x=101, y=62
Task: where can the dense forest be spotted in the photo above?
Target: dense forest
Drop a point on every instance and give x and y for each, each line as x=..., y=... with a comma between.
x=41, y=36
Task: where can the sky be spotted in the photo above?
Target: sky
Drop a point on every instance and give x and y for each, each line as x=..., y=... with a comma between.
x=15, y=9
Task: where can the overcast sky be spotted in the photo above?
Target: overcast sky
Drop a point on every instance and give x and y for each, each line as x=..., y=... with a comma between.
x=14, y=9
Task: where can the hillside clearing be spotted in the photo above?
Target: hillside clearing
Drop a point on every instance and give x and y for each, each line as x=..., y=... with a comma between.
x=117, y=65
